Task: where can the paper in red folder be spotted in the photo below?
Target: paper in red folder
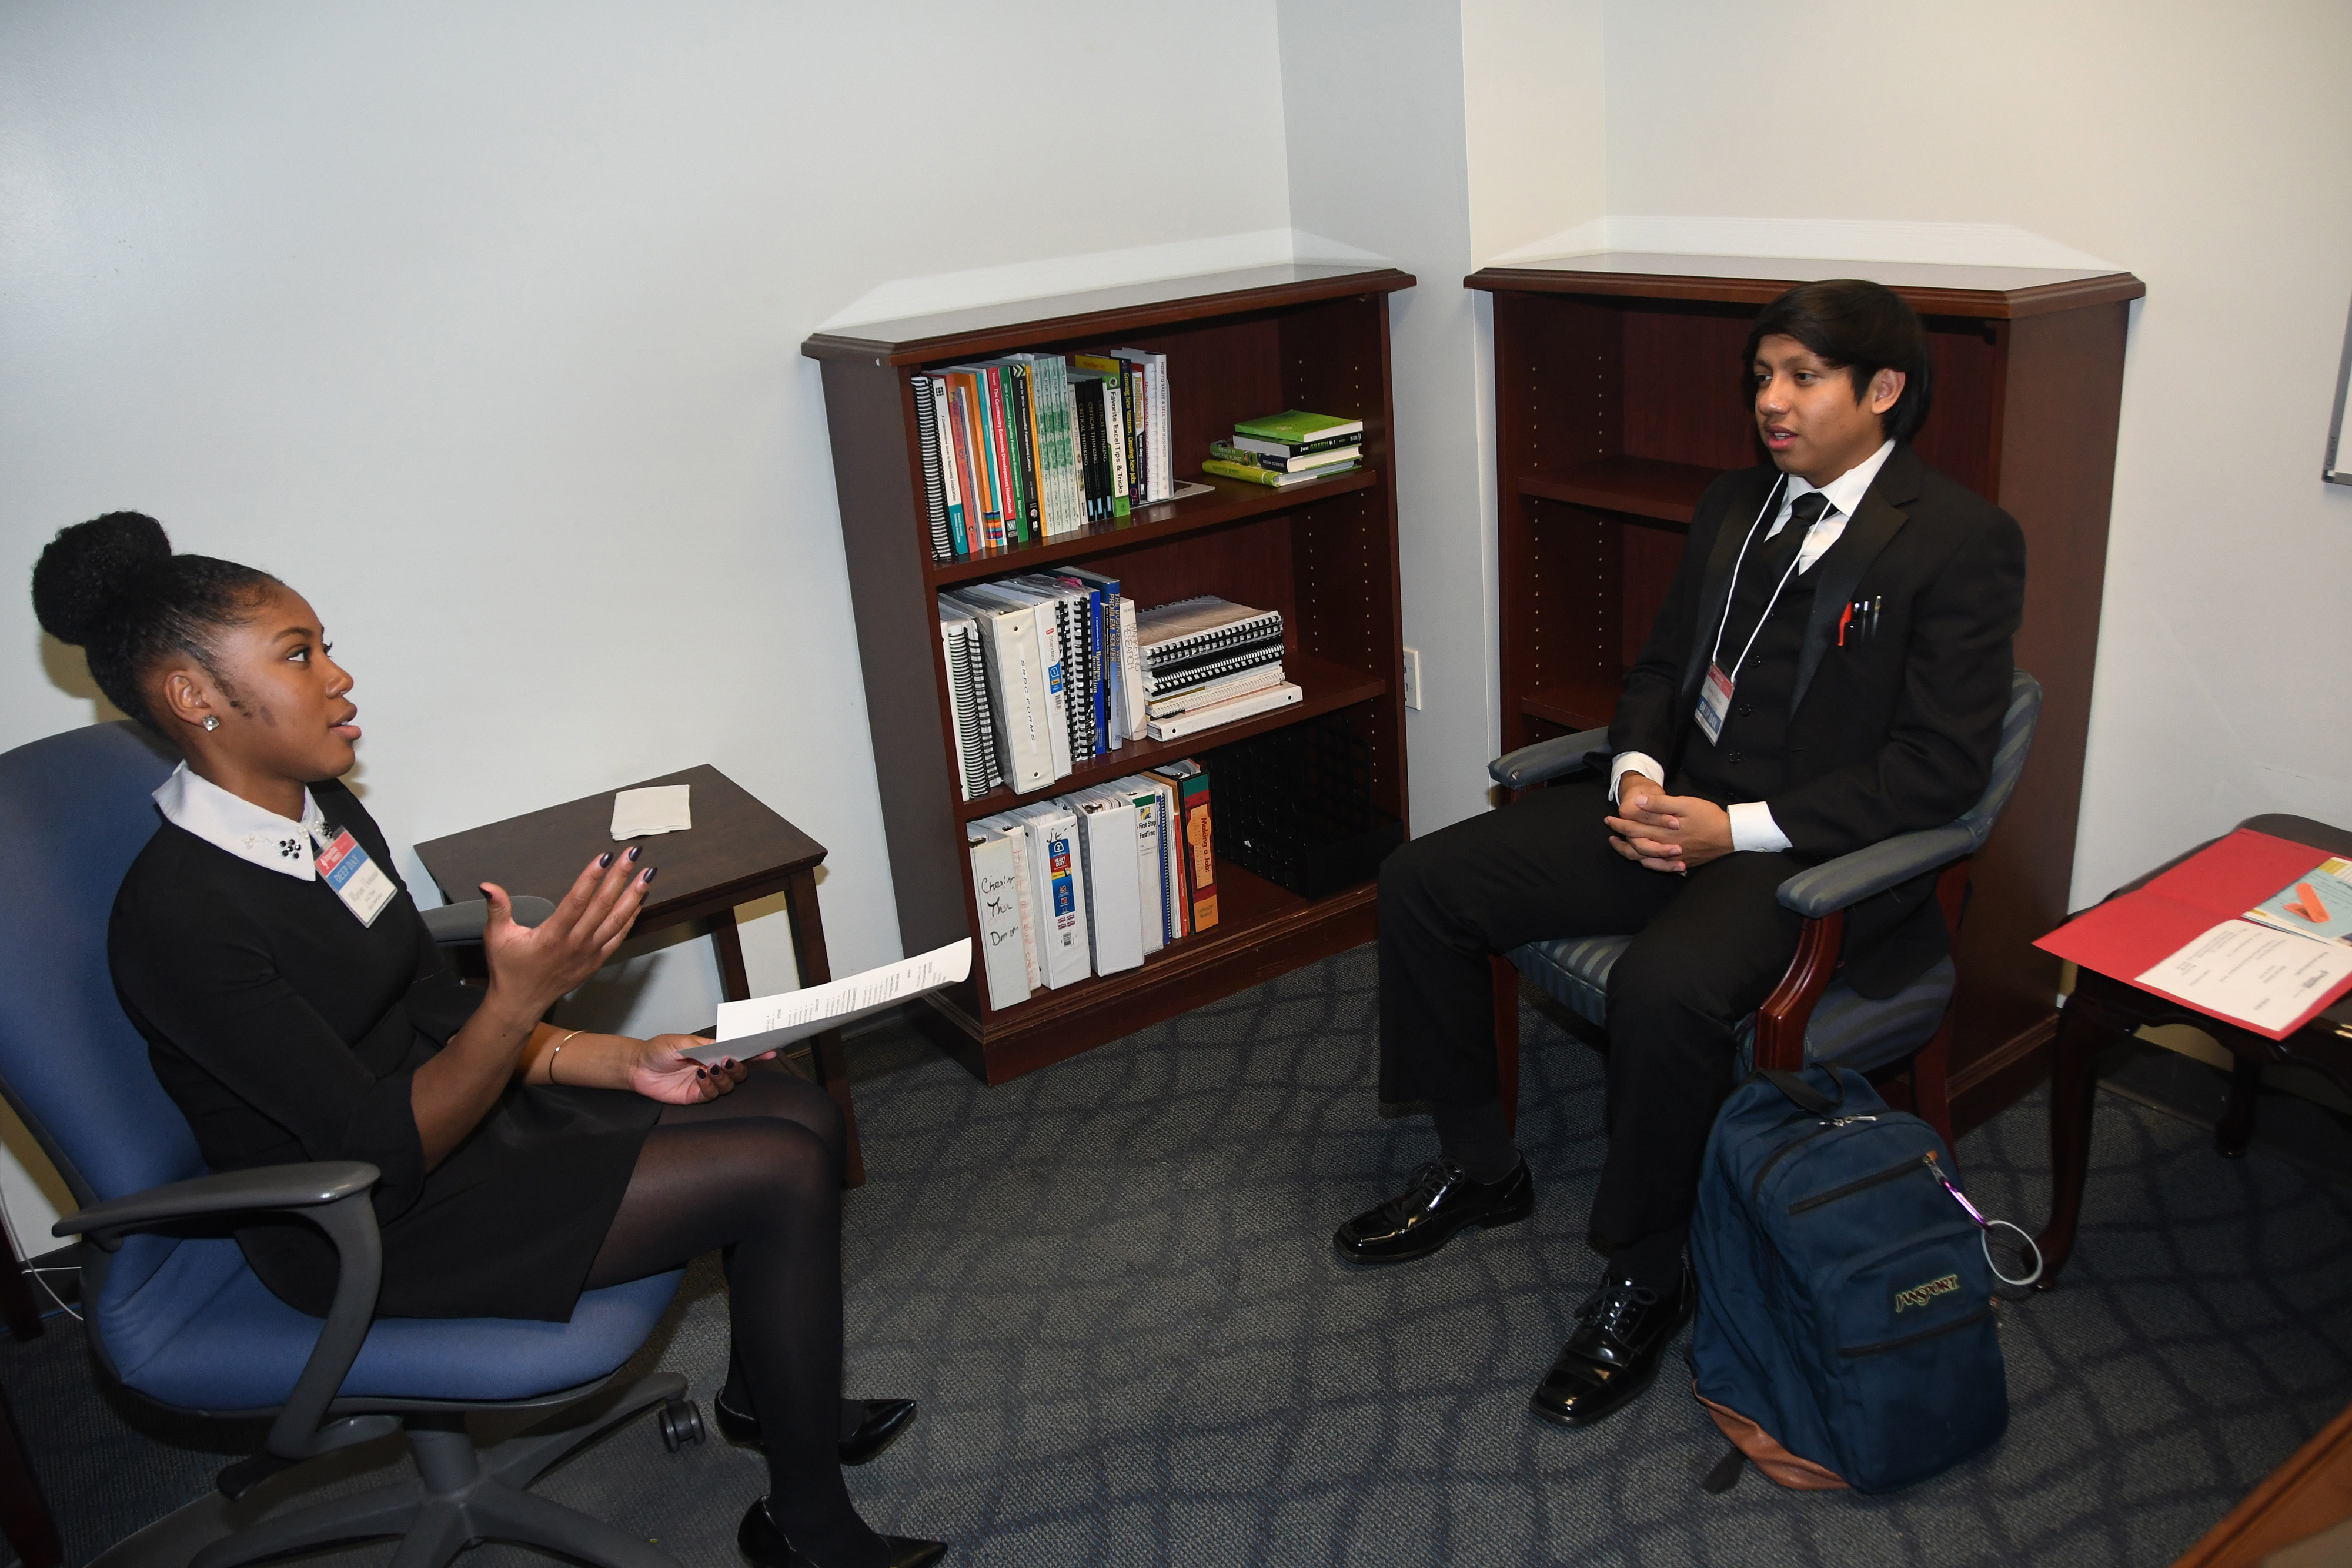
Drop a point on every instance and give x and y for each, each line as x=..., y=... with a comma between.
x=2126, y=938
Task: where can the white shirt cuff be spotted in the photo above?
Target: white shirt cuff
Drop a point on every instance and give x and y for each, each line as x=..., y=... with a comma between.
x=1633, y=762
x=1753, y=828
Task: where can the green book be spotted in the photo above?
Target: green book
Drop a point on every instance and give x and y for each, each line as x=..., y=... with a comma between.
x=1267, y=476
x=1298, y=427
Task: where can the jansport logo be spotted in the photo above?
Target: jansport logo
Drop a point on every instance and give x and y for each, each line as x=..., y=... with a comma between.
x=1920, y=1295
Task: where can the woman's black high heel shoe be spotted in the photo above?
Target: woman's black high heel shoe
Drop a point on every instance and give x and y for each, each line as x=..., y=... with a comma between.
x=886, y=1420
x=759, y=1539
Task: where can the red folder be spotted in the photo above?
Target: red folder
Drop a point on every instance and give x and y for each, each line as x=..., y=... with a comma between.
x=2129, y=936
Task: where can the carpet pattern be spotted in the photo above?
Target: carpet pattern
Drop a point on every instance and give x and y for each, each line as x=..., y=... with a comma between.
x=1111, y=1286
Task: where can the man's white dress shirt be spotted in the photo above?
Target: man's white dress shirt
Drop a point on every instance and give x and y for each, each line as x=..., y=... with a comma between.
x=1752, y=827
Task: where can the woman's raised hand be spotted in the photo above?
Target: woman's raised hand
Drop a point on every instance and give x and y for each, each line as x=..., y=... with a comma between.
x=538, y=964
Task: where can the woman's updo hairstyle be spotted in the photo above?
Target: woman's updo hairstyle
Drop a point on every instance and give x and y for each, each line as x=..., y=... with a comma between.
x=112, y=587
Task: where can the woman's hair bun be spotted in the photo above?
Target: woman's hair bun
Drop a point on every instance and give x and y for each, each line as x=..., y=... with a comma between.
x=89, y=567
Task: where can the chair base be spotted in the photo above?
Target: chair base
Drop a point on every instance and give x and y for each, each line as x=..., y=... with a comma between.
x=460, y=1495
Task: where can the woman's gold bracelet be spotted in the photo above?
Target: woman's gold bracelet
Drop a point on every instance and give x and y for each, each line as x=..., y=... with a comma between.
x=556, y=1052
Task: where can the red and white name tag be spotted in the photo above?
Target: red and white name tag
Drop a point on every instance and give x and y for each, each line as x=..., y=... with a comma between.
x=357, y=881
x=1714, y=703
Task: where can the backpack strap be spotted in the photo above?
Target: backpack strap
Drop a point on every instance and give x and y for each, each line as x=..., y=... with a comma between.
x=1804, y=1095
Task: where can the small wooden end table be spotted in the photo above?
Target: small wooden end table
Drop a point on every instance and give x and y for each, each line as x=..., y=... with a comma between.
x=2106, y=1010
x=2309, y=1493
x=736, y=850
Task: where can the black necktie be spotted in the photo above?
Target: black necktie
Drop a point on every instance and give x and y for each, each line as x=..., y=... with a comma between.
x=1803, y=513
x=1760, y=573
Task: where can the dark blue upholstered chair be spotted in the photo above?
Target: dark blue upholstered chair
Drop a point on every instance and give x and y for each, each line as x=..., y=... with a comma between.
x=1811, y=1015
x=178, y=1318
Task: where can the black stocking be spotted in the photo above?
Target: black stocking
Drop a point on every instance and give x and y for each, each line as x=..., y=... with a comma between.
x=758, y=1172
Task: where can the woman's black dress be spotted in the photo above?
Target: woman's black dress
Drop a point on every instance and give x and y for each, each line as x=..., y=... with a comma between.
x=287, y=1032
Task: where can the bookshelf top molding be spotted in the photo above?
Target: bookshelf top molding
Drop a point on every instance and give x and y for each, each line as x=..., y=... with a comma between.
x=1996, y=293
x=1100, y=312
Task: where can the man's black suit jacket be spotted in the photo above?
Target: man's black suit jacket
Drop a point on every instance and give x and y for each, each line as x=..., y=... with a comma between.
x=1888, y=735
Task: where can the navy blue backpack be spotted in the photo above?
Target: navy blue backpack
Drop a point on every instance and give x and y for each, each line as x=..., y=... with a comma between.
x=1846, y=1333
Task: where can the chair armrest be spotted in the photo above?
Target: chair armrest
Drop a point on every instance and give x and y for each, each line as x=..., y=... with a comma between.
x=1558, y=758
x=331, y=1194
x=1848, y=880
x=227, y=1192
x=454, y=924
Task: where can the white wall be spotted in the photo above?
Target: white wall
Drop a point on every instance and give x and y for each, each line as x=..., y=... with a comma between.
x=1373, y=96
x=1535, y=91
x=2204, y=147
x=480, y=325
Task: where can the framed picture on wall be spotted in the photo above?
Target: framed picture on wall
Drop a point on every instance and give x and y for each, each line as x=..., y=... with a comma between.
x=2339, y=444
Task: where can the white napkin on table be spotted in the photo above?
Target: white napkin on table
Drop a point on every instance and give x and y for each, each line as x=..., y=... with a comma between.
x=641, y=813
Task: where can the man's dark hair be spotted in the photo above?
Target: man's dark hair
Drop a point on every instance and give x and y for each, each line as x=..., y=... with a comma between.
x=1860, y=328
x=113, y=586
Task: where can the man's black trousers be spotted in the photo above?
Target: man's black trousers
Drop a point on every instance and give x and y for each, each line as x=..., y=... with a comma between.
x=1711, y=944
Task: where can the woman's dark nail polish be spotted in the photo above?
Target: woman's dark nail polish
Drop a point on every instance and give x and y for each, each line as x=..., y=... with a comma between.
x=702, y=1072
x=604, y=860
x=632, y=851
x=649, y=875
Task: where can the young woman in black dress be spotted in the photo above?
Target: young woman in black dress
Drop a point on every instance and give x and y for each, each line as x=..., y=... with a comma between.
x=297, y=1015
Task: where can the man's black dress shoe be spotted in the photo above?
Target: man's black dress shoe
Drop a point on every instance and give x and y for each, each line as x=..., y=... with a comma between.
x=1442, y=1200
x=885, y=1420
x=760, y=1542
x=1622, y=1332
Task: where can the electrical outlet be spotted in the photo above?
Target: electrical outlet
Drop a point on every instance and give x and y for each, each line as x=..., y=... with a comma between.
x=1413, y=678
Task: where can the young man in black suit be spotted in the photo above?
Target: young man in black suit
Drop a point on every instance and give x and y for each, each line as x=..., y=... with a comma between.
x=1765, y=728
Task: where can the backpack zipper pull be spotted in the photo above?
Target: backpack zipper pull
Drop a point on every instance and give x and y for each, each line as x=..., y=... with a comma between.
x=1928, y=1159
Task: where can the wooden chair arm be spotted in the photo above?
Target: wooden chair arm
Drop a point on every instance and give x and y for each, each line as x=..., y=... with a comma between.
x=1781, y=1021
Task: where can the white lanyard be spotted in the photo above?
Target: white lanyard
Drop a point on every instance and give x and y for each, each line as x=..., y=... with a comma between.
x=1716, y=654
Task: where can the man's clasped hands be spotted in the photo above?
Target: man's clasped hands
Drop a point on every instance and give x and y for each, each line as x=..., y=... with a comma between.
x=1667, y=832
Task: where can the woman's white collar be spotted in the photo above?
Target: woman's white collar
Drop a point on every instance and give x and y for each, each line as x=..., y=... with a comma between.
x=231, y=822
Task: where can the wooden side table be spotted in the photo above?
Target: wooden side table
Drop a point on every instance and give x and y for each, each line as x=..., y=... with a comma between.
x=2106, y=1010
x=2310, y=1493
x=736, y=850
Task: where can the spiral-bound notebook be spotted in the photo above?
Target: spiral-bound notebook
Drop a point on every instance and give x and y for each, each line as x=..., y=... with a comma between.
x=1216, y=667
x=1190, y=629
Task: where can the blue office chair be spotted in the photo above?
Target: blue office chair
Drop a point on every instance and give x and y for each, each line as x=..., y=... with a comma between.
x=176, y=1316
x=1811, y=1015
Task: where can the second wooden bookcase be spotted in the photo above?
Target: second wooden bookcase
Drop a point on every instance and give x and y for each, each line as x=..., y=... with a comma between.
x=1325, y=554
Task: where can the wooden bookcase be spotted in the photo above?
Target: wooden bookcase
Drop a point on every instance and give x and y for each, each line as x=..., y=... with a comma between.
x=1619, y=396
x=1238, y=344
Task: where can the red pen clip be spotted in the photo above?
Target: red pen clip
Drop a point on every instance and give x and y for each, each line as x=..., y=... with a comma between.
x=1844, y=616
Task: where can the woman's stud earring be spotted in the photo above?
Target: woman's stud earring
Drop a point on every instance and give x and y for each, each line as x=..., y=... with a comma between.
x=212, y=721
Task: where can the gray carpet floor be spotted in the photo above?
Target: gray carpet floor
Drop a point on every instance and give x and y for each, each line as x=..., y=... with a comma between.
x=1110, y=1285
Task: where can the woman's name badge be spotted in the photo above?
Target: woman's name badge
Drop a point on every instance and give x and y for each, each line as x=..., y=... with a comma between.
x=1714, y=703
x=357, y=881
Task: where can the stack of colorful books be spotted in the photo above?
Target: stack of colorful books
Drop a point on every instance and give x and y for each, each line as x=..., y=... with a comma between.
x=1028, y=447
x=1288, y=448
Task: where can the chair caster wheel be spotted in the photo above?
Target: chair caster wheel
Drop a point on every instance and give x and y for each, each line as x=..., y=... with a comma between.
x=681, y=1423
